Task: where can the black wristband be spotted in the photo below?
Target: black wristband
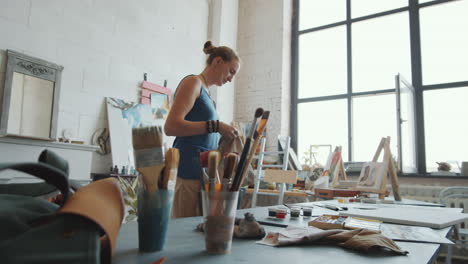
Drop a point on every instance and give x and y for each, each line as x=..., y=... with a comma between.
x=213, y=126
x=208, y=126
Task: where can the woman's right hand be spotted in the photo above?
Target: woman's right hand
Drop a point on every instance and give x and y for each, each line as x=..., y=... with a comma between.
x=227, y=131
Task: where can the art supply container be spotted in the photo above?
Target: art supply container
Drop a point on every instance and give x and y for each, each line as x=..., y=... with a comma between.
x=154, y=212
x=295, y=212
x=272, y=212
x=307, y=211
x=342, y=199
x=281, y=213
x=219, y=212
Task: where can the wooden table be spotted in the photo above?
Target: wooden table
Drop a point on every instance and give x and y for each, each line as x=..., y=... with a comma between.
x=184, y=245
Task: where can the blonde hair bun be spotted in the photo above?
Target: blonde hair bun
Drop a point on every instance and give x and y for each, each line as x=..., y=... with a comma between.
x=208, y=47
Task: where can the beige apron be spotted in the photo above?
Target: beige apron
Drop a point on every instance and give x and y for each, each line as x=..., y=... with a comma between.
x=186, y=199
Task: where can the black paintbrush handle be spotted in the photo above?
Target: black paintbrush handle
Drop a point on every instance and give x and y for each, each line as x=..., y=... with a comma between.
x=241, y=166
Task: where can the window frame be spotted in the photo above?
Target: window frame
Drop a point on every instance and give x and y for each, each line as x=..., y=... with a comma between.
x=413, y=8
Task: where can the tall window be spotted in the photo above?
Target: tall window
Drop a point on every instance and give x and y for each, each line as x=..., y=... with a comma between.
x=346, y=54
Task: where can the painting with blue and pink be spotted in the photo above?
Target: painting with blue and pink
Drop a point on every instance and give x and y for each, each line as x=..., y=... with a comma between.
x=136, y=114
x=123, y=116
x=160, y=105
x=139, y=115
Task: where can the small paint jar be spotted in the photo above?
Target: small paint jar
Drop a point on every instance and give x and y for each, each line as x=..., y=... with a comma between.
x=281, y=213
x=295, y=211
x=342, y=199
x=272, y=211
x=307, y=211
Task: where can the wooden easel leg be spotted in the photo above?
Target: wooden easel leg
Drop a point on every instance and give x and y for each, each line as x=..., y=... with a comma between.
x=379, y=149
x=389, y=170
x=386, y=160
x=394, y=179
x=343, y=170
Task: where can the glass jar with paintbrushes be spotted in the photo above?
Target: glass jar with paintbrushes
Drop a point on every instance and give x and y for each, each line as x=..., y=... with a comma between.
x=219, y=197
x=219, y=203
x=157, y=176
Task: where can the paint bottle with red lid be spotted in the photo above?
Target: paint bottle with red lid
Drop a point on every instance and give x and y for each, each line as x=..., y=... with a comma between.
x=281, y=213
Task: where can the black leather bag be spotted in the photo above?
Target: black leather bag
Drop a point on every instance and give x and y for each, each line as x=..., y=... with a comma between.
x=32, y=231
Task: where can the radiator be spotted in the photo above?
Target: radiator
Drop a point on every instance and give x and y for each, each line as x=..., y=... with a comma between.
x=428, y=193
x=431, y=194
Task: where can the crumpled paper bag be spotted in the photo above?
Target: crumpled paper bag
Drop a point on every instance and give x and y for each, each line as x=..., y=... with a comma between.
x=362, y=240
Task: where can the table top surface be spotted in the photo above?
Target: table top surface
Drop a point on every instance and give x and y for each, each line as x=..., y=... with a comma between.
x=185, y=245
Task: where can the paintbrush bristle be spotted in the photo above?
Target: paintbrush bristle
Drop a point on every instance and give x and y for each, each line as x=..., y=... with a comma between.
x=213, y=160
x=262, y=124
x=258, y=112
x=231, y=162
x=147, y=137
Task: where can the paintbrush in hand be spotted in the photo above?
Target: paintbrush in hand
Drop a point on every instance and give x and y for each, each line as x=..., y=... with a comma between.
x=241, y=165
x=149, y=155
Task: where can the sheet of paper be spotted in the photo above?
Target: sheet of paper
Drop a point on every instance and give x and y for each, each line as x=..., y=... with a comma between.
x=411, y=215
x=414, y=233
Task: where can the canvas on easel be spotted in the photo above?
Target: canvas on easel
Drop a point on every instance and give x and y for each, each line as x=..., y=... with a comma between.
x=373, y=177
x=335, y=168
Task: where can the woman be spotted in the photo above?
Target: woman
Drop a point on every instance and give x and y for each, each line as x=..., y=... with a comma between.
x=194, y=121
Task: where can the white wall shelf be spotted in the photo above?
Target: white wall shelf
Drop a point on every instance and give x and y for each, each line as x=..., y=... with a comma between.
x=51, y=144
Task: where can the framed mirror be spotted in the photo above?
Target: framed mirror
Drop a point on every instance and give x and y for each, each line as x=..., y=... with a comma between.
x=30, y=97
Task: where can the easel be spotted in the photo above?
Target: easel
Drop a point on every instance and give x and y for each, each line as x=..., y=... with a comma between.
x=389, y=170
x=339, y=173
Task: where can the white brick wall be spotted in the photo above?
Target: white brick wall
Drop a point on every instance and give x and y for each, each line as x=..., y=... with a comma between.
x=105, y=47
x=264, y=36
x=222, y=30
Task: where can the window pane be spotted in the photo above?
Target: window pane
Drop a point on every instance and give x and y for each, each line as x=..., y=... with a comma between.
x=314, y=13
x=374, y=117
x=366, y=7
x=381, y=49
x=446, y=127
x=444, y=42
x=407, y=125
x=323, y=122
x=322, y=63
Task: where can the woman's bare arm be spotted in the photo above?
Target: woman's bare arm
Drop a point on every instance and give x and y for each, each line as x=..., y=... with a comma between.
x=176, y=125
x=187, y=92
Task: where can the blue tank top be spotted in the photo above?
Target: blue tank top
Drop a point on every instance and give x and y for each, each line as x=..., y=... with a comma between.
x=191, y=146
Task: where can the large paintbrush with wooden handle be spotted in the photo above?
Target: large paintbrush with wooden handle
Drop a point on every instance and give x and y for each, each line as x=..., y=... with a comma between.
x=243, y=158
x=149, y=155
x=257, y=136
x=229, y=166
x=169, y=178
x=214, y=157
